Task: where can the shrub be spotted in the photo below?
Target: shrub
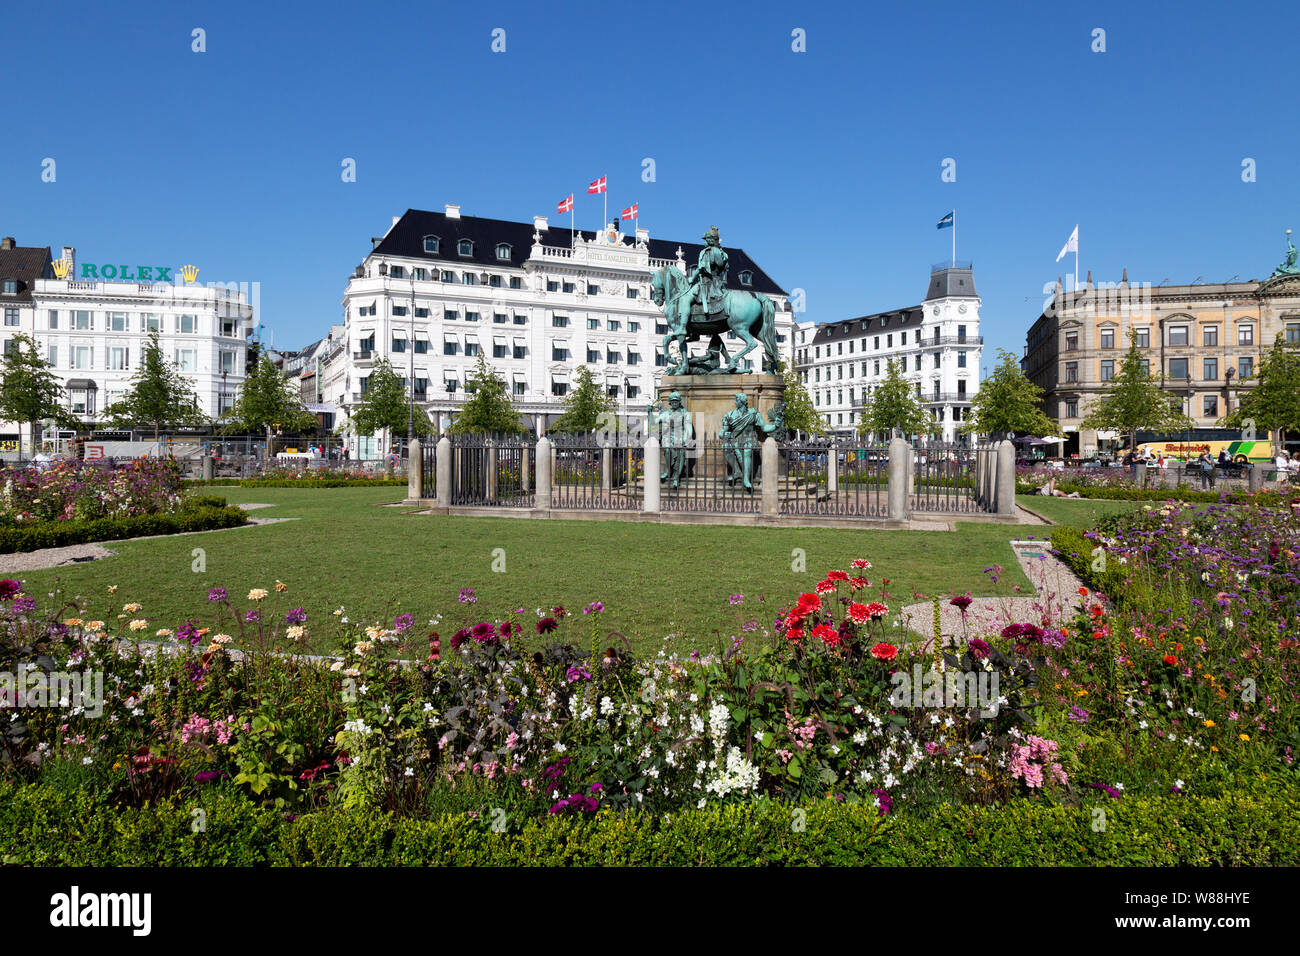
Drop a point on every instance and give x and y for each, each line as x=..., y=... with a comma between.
x=60, y=534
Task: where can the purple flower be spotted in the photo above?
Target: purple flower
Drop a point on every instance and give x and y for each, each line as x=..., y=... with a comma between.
x=886, y=802
x=961, y=602
x=1078, y=715
x=24, y=604
x=254, y=616
x=467, y=596
x=978, y=647
x=484, y=633
x=460, y=637
x=401, y=624
x=9, y=588
x=577, y=673
x=188, y=632
x=737, y=598
x=1109, y=791
x=296, y=616
x=546, y=625
x=595, y=607
x=216, y=594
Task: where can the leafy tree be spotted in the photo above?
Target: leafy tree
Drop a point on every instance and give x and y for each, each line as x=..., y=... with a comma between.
x=385, y=405
x=1134, y=400
x=159, y=396
x=1008, y=403
x=894, y=405
x=490, y=408
x=800, y=413
x=1274, y=403
x=587, y=408
x=268, y=400
x=30, y=392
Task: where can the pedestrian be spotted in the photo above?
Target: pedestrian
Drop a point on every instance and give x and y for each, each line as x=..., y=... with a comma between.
x=1282, y=464
x=1207, y=469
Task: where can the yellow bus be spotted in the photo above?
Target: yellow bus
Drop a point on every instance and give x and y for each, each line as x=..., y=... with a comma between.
x=1238, y=451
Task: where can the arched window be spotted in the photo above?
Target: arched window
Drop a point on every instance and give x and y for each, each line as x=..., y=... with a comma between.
x=465, y=247
x=432, y=244
x=503, y=251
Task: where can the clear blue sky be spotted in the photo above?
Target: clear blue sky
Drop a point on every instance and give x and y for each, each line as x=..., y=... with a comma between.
x=824, y=165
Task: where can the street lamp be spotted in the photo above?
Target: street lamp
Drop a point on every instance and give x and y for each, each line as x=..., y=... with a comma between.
x=410, y=378
x=1188, y=443
x=1227, y=389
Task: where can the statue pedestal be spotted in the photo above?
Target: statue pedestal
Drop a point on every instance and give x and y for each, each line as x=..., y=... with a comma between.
x=709, y=397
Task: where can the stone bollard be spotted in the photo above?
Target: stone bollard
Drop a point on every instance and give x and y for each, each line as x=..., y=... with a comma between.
x=900, y=486
x=545, y=463
x=523, y=469
x=388, y=467
x=833, y=470
x=1255, y=477
x=443, y=474
x=606, y=468
x=414, y=471
x=209, y=468
x=771, y=466
x=651, y=493
x=1006, y=488
x=1141, y=474
x=490, y=469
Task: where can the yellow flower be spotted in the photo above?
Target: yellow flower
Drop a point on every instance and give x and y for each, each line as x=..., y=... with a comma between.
x=364, y=647
x=296, y=633
x=131, y=608
x=139, y=624
x=1214, y=748
x=1245, y=737
x=281, y=587
x=95, y=625
x=112, y=589
x=1080, y=693
x=257, y=594
x=1208, y=723
x=162, y=632
x=222, y=639
x=72, y=621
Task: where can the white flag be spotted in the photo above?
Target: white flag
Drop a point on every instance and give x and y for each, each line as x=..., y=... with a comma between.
x=1071, y=244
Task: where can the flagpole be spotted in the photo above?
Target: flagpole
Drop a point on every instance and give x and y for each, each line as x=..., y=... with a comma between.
x=605, y=193
x=1076, y=260
x=954, y=238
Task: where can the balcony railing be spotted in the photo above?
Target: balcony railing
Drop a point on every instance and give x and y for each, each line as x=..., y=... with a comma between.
x=365, y=355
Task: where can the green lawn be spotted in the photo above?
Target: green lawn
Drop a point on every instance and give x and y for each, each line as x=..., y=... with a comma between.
x=1080, y=512
x=654, y=580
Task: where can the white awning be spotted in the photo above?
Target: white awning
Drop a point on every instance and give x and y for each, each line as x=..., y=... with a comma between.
x=449, y=337
x=471, y=337
x=521, y=341
x=364, y=333
x=560, y=343
x=520, y=377
x=499, y=340
x=450, y=375
x=421, y=336
x=559, y=376
x=1107, y=436
x=399, y=333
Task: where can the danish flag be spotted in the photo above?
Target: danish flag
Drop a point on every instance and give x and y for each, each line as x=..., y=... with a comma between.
x=630, y=211
x=598, y=186
x=566, y=205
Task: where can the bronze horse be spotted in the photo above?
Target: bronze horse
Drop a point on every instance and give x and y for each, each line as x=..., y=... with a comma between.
x=751, y=315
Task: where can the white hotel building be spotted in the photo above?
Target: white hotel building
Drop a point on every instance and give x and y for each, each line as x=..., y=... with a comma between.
x=537, y=301
x=93, y=330
x=937, y=344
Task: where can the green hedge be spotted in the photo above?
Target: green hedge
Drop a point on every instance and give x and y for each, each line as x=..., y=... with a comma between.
x=1244, y=829
x=1128, y=494
x=60, y=534
x=1076, y=551
x=304, y=482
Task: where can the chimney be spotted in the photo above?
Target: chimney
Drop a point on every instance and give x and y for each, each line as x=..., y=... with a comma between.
x=453, y=211
x=1125, y=279
x=7, y=242
x=1089, y=278
x=539, y=223
x=70, y=253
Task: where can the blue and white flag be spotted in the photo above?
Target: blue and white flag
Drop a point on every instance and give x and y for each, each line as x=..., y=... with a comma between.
x=947, y=221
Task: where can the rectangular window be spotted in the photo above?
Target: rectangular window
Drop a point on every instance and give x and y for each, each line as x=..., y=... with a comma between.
x=1245, y=367
x=593, y=324
x=611, y=357
x=54, y=356
x=961, y=359
x=559, y=389
x=567, y=287
x=1108, y=338
x=961, y=386
x=117, y=358
x=81, y=320
x=1072, y=408
x=917, y=365
x=889, y=341
x=632, y=294
x=448, y=276
x=1071, y=341
x=521, y=319
x=936, y=359
x=469, y=278
x=516, y=282
x=81, y=356
x=227, y=362
x=185, y=324
x=877, y=366
x=1210, y=406
x=1144, y=338
x=11, y=316
x=1245, y=335
x=185, y=360
x=1107, y=370
x=961, y=333
x=499, y=351
x=494, y=282
x=421, y=345
x=421, y=313
x=500, y=318
x=593, y=356
x=560, y=321
x=661, y=360
x=661, y=328
x=633, y=357
x=559, y=353
x=552, y=285
x=54, y=319
x=399, y=343
x=1178, y=335
x=902, y=339
x=1178, y=369
x=449, y=315
x=593, y=289
x=451, y=348
x=877, y=345
x=117, y=321
x=614, y=325
x=1292, y=333
x=1210, y=335
x=521, y=351
x=634, y=326
x=399, y=310
x=1071, y=371
x=471, y=316
x=471, y=349
x=520, y=387
x=1210, y=369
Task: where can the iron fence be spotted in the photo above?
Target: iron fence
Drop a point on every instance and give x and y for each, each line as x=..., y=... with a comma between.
x=709, y=476
x=597, y=471
x=847, y=477
x=429, y=470
x=493, y=471
x=944, y=477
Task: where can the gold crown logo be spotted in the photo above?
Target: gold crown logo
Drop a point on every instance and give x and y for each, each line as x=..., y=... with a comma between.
x=189, y=274
x=62, y=267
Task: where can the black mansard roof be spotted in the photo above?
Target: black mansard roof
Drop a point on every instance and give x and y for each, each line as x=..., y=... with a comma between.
x=406, y=240
x=26, y=264
x=890, y=321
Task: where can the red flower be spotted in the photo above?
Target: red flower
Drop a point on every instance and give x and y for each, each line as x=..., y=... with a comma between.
x=877, y=610
x=861, y=563
x=884, y=652
x=1096, y=610
x=859, y=583
x=795, y=634
x=807, y=604
x=1083, y=592
x=859, y=613
x=1171, y=660
x=792, y=620
x=827, y=634
x=836, y=576
x=825, y=587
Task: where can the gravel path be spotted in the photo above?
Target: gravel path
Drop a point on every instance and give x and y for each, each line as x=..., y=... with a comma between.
x=1057, y=596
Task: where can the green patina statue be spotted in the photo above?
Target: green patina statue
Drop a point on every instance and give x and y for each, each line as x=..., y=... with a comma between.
x=712, y=362
x=675, y=433
x=742, y=431
x=703, y=305
x=1289, y=266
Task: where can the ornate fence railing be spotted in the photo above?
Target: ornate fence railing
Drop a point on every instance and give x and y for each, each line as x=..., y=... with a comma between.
x=847, y=477
x=597, y=471
x=709, y=476
x=493, y=471
x=944, y=477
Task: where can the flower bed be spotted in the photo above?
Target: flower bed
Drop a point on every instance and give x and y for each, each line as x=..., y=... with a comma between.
x=312, y=478
x=83, y=491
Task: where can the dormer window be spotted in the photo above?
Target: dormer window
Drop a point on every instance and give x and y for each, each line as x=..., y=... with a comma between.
x=747, y=278
x=503, y=251
x=9, y=286
x=432, y=244
x=465, y=247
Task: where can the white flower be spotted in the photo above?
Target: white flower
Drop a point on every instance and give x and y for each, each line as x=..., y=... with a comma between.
x=410, y=772
x=559, y=747
x=606, y=706
x=357, y=726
